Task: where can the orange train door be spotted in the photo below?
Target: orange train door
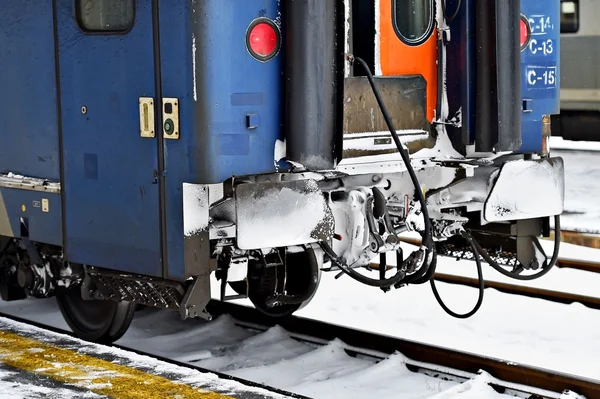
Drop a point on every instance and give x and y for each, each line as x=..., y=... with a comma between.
x=407, y=43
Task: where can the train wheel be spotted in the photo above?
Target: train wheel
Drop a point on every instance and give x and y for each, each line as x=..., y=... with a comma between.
x=262, y=283
x=97, y=321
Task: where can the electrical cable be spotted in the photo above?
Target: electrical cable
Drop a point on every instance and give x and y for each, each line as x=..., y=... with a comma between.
x=479, y=251
x=428, y=239
x=395, y=279
x=545, y=269
x=427, y=271
x=422, y=278
x=481, y=286
x=450, y=19
x=400, y=275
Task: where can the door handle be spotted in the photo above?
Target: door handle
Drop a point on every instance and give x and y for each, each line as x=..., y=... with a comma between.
x=147, y=117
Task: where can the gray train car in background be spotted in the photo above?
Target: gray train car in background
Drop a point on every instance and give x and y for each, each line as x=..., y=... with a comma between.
x=579, y=117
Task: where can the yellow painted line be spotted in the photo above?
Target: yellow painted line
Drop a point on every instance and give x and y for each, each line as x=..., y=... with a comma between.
x=91, y=373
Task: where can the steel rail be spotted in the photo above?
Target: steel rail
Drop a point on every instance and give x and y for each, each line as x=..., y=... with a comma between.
x=578, y=265
x=432, y=360
x=513, y=376
x=522, y=290
x=569, y=237
x=576, y=238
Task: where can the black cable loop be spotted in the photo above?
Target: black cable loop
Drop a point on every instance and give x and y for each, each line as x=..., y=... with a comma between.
x=545, y=268
x=481, y=286
x=427, y=239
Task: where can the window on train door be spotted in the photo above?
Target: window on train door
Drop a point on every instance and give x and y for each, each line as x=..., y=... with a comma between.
x=105, y=16
x=569, y=16
x=413, y=20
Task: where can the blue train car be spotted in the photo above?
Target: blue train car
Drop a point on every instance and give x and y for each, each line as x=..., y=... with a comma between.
x=148, y=145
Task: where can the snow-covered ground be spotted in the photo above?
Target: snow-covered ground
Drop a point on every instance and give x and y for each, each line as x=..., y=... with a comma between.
x=582, y=188
x=327, y=371
x=536, y=332
x=37, y=363
x=525, y=330
x=560, y=144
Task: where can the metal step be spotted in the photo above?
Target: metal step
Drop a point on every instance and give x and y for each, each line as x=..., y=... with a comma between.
x=459, y=248
x=139, y=289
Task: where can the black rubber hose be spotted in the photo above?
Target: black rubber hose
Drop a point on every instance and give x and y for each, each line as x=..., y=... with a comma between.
x=283, y=299
x=388, y=282
x=444, y=10
x=545, y=269
x=423, y=275
x=427, y=240
x=481, y=287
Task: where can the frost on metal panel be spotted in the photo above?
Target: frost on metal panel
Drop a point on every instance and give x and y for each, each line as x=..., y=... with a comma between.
x=443, y=140
x=378, y=71
x=195, y=208
x=516, y=192
x=442, y=150
x=277, y=19
x=12, y=180
x=443, y=27
x=279, y=152
x=194, y=66
x=381, y=141
x=281, y=214
x=347, y=36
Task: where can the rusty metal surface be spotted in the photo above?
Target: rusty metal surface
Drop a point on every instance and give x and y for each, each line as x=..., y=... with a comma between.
x=531, y=292
x=576, y=238
x=579, y=265
x=405, y=100
x=404, y=97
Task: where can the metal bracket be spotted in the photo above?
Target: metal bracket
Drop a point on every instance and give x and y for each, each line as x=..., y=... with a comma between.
x=147, y=117
x=170, y=110
x=196, y=298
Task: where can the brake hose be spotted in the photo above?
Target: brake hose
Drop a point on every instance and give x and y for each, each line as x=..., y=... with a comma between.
x=477, y=251
x=427, y=239
x=427, y=271
x=481, y=286
x=395, y=279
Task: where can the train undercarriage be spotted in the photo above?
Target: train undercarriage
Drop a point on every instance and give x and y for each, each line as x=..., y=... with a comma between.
x=460, y=157
x=272, y=236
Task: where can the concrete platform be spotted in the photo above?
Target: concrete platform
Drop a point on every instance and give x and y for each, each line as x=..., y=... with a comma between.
x=37, y=363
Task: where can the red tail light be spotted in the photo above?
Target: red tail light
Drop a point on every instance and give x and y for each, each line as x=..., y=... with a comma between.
x=525, y=32
x=263, y=39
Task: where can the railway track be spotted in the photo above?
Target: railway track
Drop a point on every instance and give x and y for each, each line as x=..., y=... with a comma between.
x=446, y=365
x=531, y=292
x=507, y=377
x=569, y=237
x=452, y=367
